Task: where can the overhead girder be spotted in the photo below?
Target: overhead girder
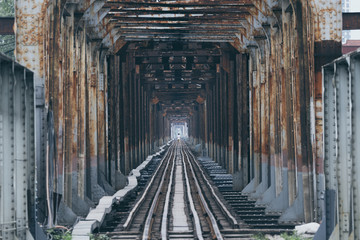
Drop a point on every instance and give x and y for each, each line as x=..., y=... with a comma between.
x=179, y=11
x=116, y=22
x=178, y=96
x=95, y=13
x=265, y=12
x=130, y=3
x=192, y=52
x=177, y=109
x=188, y=68
x=104, y=23
x=256, y=25
x=206, y=34
x=98, y=26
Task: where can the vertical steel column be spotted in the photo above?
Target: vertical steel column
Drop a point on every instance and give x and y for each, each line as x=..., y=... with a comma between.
x=231, y=118
x=112, y=129
x=256, y=107
x=341, y=151
x=108, y=169
x=101, y=117
x=40, y=143
x=243, y=116
x=7, y=161
x=57, y=99
x=276, y=87
x=131, y=113
x=355, y=102
x=126, y=115
x=82, y=113
x=302, y=117
x=206, y=121
x=202, y=124
x=210, y=119
x=70, y=95
x=160, y=120
x=120, y=98
x=344, y=159
x=17, y=151
x=151, y=125
x=330, y=149
x=92, y=119
x=265, y=130
x=217, y=113
x=224, y=114
x=146, y=108
x=20, y=154
x=222, y=127
x=136, y=102
x=141, y=121
x=31, y=161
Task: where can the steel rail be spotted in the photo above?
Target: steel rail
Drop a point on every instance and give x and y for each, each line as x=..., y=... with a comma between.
x=214, y=224
x=191, y=202
x=219, y=202
x=137, y=205
x=166, y=207
x=148, y=221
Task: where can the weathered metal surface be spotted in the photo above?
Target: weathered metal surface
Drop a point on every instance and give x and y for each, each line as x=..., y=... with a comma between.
x=17, y=150
x=116, y=74
x=351, y=21
x=341, y=136
x=7, y=25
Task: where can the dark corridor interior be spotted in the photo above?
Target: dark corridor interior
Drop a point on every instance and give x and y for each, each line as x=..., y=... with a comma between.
x=184, y=82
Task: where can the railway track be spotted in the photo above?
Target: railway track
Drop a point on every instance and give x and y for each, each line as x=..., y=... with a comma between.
x=177, y=201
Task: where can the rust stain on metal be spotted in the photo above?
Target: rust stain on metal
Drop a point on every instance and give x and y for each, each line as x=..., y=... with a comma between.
x=273, y=117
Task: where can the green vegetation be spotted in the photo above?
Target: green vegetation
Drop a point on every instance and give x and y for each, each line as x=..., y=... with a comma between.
x=7, y=42
x=259, y=236
x=59, y=234
x=293, y=236
x=63, y=234
x=7, y=8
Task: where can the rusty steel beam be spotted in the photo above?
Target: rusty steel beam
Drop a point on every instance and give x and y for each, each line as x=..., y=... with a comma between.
x=170, y=77
x=153, y=67
x=186, y=22
x=177, y=110
x=180, y=29
x=169, y=92
x=7, y=25
x=183, y=82
x=197, y=32
x=185, y=53
x=178, y=96
x=180, y=72
x=182, y=17
x=181, y=3
x=174, y=80
x=180, y=24
x=351, y=20
x=177, y=37
x=159, y=39
x=181, y=10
